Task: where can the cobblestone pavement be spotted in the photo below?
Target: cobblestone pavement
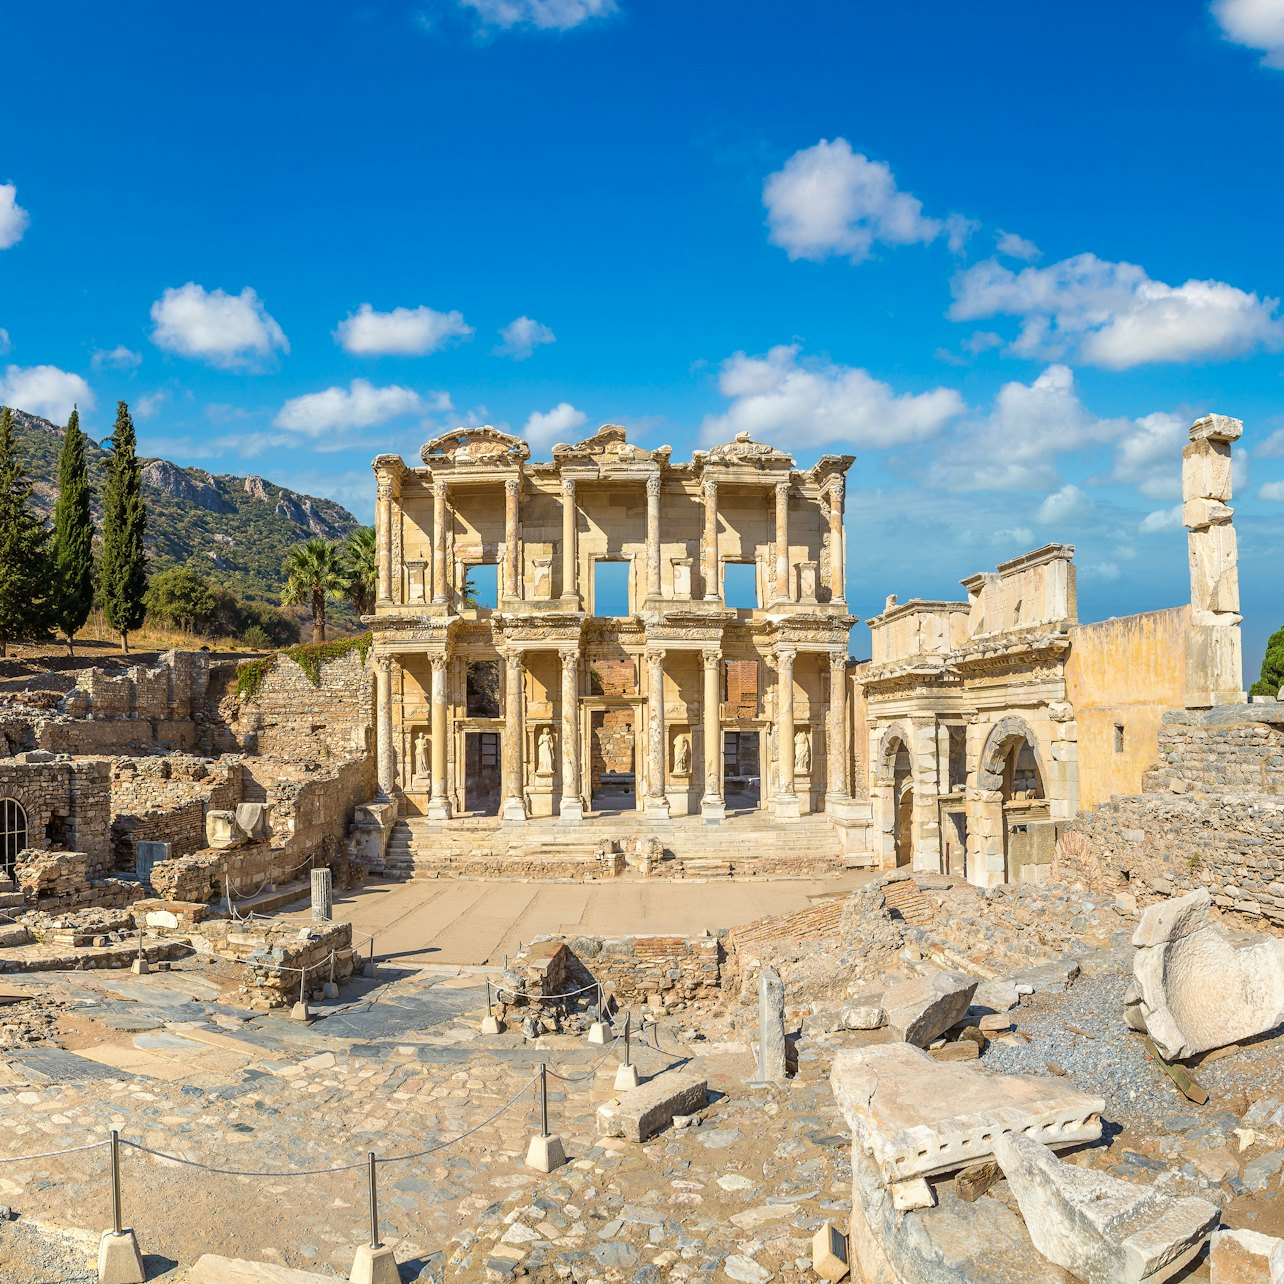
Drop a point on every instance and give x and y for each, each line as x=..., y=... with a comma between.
x=398, y=1069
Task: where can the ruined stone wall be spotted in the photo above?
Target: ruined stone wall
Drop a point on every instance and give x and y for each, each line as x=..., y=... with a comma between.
x=67, y=804
x=310, y=816
x=1212, y=815
x=662, y=972
x=58, y=881
x=1121, y=676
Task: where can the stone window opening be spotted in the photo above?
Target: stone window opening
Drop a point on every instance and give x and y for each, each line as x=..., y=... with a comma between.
x=13, y=834
x=612, y=587
x=58, y=831
x=481, y=696
x=1119, y=737
x=740, y=586
x=481, y=586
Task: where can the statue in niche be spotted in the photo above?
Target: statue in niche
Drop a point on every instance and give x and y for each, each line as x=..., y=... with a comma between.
x=421, y=755
x=682, y=756
x=802, y=754
x=544, y=753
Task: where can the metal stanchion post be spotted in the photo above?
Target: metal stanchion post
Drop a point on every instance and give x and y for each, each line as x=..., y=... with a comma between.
x=626, y=1073
x=139, y=965
x=116, y=1227
x=545, y=1151
x=328, y=988
x=491, y=1024
x=300, y=1010
x=374, y=1203
x=370, y=966
x=598, y=1029
x=119, y=1261
x=374, y=1262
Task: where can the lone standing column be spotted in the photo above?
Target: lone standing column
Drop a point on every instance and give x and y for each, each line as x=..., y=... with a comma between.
x=570, y=553
x=782, y=542
x=712, y=805
x=653, y=537
x=786, y=799
x=571, y=804
x=710, y=568
x=514, y=798
x=322, y=895
x=836, y=728
x=440, y=582
x=385, y=762
x=439, y=804
x=383, y=536
x=657, y=802
x=512, y=491
x=837, y=540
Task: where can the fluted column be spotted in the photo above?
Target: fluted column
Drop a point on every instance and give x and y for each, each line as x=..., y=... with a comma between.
x=439, y=803
x=570, y=551
x=383, y=537
x=712, y=805
x=710, y=568
x=440, y=579
x=782, y=593
x=837, y=540
x=836, y=729
x=512, y=558
x=571, y=805
x=653, y=537
x=657, y=802
x=514, y=782
x=786, y=802
x=385, y=759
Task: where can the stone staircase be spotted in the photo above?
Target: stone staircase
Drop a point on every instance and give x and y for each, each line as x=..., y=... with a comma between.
x=742, y=846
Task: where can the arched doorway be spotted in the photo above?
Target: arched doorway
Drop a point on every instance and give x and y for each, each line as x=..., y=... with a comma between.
x=1012, y=773
x=13, y=834
x=896, y=787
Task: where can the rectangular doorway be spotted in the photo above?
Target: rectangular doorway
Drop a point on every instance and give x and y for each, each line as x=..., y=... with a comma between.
x=481, y=773
x=741, y=773
x=612, y=772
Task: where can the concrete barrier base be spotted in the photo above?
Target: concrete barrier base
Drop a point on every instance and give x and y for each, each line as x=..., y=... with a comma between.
x=119, y=1261
x=374, y=1266
x=139, y=967
x=545, y=1154
x=599, y=1033
x=626, y=1078
x=492, y=1025
x=329, y=990
x=299, y=1012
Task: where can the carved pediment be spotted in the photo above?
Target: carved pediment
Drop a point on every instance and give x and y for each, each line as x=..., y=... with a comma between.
x=609, y=444
x=744, y=450
x=475, y=445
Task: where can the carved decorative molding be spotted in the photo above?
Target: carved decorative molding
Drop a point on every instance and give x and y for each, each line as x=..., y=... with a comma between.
x=475, y=445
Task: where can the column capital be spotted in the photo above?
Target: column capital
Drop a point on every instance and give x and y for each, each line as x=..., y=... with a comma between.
x=513, y=659
x=711, y=656
x=438, y=662
x=653, y=485
x=439, y=488
x=569, y=654
x=383, y=487
x=655, y=655
x=837, y=487
x=786, y=654
x=782, y=489
x=838, y=659
x=568, y=487
x=383, y=663
x=512, y=485
x=709, y=488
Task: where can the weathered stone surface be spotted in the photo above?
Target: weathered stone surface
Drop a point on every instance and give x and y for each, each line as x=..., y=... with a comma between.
x=770, y=1052
x=1098, y=1227
x=1246, y=1257
x=918, y=1116
x=1193, y=989
x=210, y=1269
x=920, y=1009
x=864, y=1013
x=829, y=1253
x=636, y=1115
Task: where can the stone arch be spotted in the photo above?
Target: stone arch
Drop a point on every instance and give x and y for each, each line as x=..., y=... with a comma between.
x=1009, y=782
x=999, y=742
x=894, y=790
x=13, y=833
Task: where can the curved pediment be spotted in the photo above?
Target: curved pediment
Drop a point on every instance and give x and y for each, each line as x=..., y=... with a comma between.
x=745, y=450
x=475, y=445
x=609, y=443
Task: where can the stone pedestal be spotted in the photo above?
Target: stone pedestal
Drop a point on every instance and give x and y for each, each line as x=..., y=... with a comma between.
x=539, y=797
x=770, y=1052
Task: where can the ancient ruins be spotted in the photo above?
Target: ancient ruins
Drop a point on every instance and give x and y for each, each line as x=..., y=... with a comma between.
x=597, y=917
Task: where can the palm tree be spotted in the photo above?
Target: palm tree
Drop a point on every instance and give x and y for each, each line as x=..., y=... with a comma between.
x=363, y=569
x=314, y=570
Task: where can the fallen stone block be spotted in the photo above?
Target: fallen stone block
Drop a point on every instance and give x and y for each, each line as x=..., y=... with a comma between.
x=999, y=995
x=1246, y=1257
x=1192, y=989
x=636, y=1115
x=1097, y=1227
x=863, y=1013
x=920, y=1009
x=918, y=1116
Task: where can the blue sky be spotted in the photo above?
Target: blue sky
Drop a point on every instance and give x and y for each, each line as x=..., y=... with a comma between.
x=1004, y=253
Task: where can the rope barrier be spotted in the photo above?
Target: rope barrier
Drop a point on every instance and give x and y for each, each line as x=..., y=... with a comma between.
x=52, y=1154
x=592, y=1070
x=546, y=998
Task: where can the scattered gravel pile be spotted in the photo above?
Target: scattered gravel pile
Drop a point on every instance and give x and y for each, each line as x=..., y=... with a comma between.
x=30, y=1252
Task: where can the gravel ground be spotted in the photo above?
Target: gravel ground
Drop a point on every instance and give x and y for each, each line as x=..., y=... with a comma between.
x=35, y=1254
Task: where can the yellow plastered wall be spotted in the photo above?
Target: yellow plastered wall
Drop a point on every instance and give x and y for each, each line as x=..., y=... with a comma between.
x=1124, y=673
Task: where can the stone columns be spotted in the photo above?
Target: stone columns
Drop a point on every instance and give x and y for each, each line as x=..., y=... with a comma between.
x=440, y=580
x=439, y=803
x=657, y=801
x=710, y=568
x=782, y=593
x=712, y=805
x=653, y=537
x=385, y=759
x=514, y=696
x=837, y=539
x=926, y=818
x=512, y=558
x=383, y=537
x=397, y=555
x=785, y=805
x=836, y=731
x=1214, y=648
x=570, y=550
x=571, y=804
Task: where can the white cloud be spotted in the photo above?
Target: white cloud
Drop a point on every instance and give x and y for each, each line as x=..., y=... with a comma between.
x=1148, y=457
x=1114, y=315
x=1163, y=519
x=830, y=200
x=117, y=358
x=546, y=15
x=1063, y=505
x=146, y=406
x=799, y=403
x=407, y=332
x=1272, y=490
x=1258, y=24
x=1015, y=247
x=13, y=218
x=522, y=336
x=360, y=405
x=5, y=344
x=546, y=428
x=1273, y=446
x=45, y=391
x=1015, y=535
x=1102, y=571
x=230, y=331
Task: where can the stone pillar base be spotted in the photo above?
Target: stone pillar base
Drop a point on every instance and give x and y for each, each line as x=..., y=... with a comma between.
x=374, y=1266
x=119, y=1261
x=438, y=809
x=786, y=807
x=713, y=809
x=626, y=1078
x=544, y=1154
x=571, y=811
x=514, y=811
x=657, y=809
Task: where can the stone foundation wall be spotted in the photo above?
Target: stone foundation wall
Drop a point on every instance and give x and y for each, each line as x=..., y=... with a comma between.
x=56, y=882
x=660, y=972
x=67, y=804
x=273, y=956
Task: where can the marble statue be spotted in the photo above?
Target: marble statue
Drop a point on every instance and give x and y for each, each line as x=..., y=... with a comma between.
x=802, y=753
x=421, y=754
x=681, y=756
x=544, y=763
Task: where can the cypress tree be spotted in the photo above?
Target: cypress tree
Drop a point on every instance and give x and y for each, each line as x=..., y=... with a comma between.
x=122, y=568
x=24, y=557
x=73, y=539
